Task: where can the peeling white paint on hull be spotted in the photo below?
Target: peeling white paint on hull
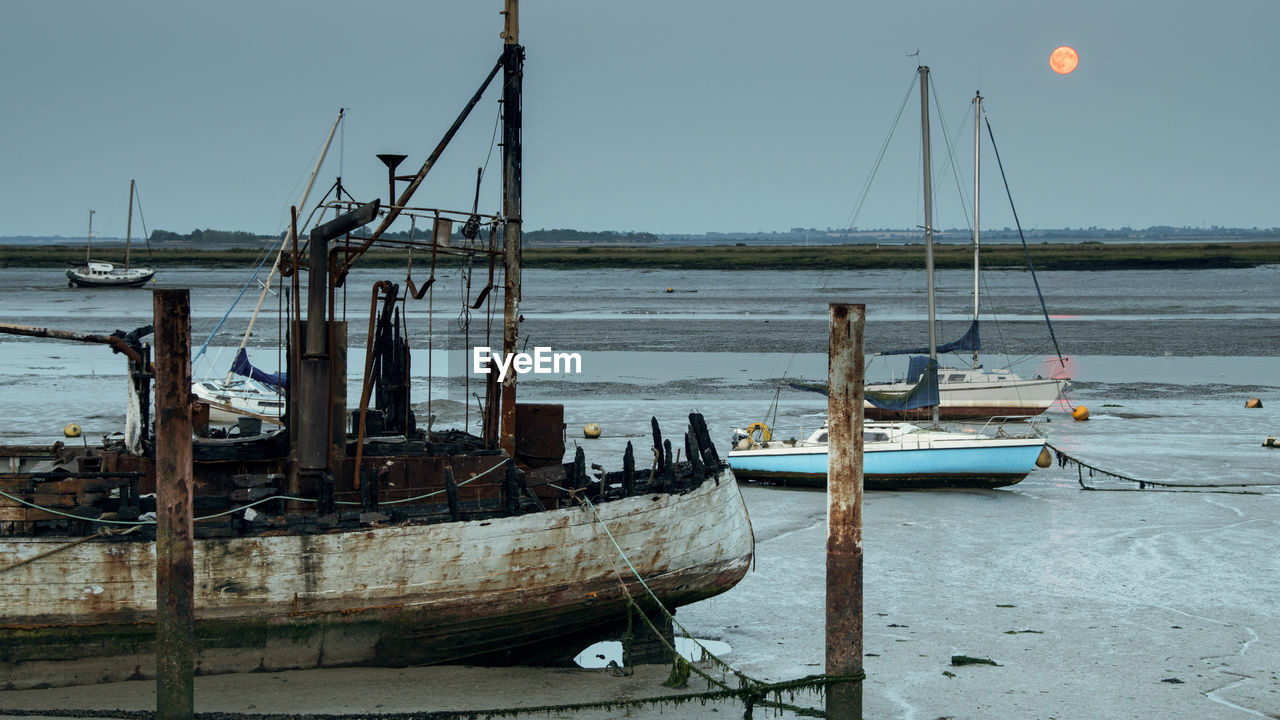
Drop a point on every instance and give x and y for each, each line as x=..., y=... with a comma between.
x=408, y=594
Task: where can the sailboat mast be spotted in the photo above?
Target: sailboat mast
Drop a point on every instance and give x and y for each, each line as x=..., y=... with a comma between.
x=928, y=216
x=289, y=240
x=513, y=74
x=88, y=253
x=977, y=138
x=128, y=228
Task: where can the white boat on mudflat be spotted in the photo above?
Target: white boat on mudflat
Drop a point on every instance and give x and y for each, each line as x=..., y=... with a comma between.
x=896, y=456
x=900, y=455
x=99, y=273
x=971, y=393
x=966, y=394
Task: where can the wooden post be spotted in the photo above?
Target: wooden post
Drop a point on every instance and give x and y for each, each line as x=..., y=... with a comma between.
x=845, y=372
x=175, y=574
x=512, y=168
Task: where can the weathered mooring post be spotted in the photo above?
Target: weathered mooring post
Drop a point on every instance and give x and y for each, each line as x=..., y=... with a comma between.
x=175, y=565
x=512, y=169
x=845, y=372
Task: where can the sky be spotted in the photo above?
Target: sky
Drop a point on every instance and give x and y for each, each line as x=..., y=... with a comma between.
x=664, y=116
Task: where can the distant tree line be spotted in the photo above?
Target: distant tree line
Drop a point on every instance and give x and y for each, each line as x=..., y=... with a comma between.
x=565, y=236
x=561, y=236
x=207, y=237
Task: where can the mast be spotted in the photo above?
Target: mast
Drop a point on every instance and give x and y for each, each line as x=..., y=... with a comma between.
x=289, y=238
x=89, y=243
x=128, y=228
x=977, y=138
x=513, y=74
x=928, y=215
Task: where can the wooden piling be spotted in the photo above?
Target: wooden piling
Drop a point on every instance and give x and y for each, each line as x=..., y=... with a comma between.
x=175, y=605
x=845, y=372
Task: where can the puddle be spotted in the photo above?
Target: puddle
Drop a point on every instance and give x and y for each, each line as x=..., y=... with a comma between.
x=691, y=649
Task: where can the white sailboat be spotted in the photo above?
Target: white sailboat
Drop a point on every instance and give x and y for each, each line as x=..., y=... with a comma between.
x=974, y=392
x=900, y=455
x=100, y=273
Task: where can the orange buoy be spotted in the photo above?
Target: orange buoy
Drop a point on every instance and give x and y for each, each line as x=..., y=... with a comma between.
x=1080, y=413
x=1253, y=403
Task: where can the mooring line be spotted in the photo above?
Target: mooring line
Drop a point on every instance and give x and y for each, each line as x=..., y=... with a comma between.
x=1064, y=460
x=751, y=692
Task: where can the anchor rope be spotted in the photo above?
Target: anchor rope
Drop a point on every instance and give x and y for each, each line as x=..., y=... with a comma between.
x=1064, y=460
x=751, y=691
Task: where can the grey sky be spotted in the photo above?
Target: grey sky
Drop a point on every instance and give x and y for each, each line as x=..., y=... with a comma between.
x=663, y=116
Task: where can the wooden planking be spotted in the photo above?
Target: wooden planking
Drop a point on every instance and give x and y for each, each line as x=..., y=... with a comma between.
x=411, y=565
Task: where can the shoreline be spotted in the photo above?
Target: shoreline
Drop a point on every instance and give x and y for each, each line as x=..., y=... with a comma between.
x=1082, y=256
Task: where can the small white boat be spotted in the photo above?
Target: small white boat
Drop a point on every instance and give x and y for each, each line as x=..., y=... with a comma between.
x=98, y=273
x=896, y=456
x=966, y=394
x=241, y=397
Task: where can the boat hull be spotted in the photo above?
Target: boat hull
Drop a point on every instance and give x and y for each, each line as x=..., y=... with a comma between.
x=975, y=401
x=115, y=278
x=500, y=590
x=989, y=463
x=228, y=402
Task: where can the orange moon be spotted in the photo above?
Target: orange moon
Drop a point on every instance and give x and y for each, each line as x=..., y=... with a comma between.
x=1064, y=59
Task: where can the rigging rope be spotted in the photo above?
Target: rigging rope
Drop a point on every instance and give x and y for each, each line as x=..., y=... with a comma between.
x=752, y=692
x=1031, y=266
x=145, y=235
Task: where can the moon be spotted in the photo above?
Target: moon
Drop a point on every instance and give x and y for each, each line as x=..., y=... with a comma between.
x=1064, y=59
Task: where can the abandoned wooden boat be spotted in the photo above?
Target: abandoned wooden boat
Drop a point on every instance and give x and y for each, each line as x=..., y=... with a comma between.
x=501, y=566
x=352, y=536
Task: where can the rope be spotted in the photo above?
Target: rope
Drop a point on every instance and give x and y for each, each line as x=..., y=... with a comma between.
x=1064, y=460
x=1030, y=266
x=240, y=508
x=751, y=691
x=101, y=533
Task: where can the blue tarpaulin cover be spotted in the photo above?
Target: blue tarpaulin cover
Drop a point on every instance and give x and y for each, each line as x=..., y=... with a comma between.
x=241, y=366
x=924, y=372
x=969, y=342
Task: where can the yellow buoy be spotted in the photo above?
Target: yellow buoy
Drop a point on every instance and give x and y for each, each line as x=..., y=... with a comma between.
x=1080, y=412
x=591, y=430
x=671, y=290
x=72, y=430
x=1045, y=459
x=1253, y=403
